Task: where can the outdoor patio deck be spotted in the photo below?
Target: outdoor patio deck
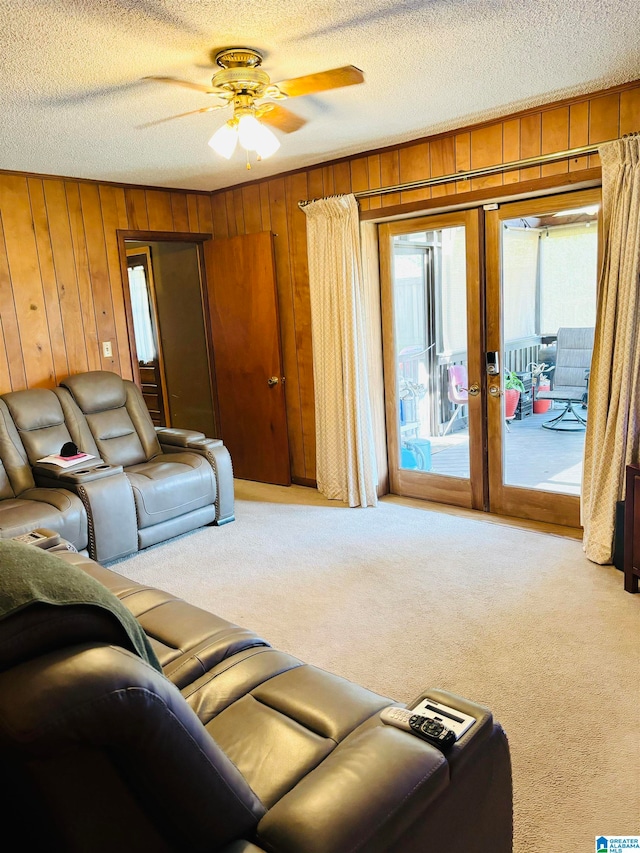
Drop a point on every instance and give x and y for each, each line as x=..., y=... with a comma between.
x=535, y=458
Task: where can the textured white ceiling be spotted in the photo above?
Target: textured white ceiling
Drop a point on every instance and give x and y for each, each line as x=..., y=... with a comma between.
x=73, y=98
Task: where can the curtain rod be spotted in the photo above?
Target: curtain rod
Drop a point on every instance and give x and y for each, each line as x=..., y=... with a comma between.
x=475, y=173
x=307, y=201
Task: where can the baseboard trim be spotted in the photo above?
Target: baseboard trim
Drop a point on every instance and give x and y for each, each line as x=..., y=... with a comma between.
x=304, y=481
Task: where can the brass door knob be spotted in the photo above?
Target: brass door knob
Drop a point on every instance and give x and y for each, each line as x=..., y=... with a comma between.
x=495, y=391
x=474, y=389
x=273, y=380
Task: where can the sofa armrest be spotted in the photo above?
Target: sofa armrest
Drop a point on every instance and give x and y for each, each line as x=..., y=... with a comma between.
x=183, y=437
x=464, y=749
x=383, y=790
x=47, y=475
x=108, y=500
x=217, y=455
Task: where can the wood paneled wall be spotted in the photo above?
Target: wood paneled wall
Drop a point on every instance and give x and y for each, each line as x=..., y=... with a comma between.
x=273, y=204
x=61, y=290
x=60, y=279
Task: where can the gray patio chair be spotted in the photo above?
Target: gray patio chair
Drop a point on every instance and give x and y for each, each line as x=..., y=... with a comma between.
x=571, y=378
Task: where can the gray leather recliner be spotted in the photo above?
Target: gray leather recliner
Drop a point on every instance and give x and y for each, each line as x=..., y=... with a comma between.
x=106, y=496
x=180, y=479
x=23, y=505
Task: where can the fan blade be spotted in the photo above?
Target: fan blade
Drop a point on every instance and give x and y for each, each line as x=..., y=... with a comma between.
x=176, y=81
x=283, y=119
x=182, y=115
x=336, y=78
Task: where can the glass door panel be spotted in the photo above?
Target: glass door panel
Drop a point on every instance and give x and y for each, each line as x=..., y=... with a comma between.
x=542, y=267
x=430, y=284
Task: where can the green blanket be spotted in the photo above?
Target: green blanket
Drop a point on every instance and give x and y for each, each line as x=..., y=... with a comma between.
x=29, y=575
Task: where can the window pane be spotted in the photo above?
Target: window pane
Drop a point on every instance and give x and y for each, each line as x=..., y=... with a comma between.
x=549, y=265
x=429, y=272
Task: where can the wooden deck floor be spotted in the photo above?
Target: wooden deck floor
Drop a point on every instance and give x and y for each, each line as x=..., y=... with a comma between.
x=534, y=457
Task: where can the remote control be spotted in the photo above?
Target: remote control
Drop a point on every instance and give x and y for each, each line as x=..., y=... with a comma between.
x=430, y=730
x=41, y=538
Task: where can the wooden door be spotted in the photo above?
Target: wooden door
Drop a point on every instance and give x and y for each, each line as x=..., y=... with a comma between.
x=543, y=258
x=432, y=327
x=243, y=311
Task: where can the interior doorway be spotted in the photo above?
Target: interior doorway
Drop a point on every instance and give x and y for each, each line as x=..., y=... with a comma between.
x=171, y=349
x=487, y=349
x=212, y=305
x=148, y=344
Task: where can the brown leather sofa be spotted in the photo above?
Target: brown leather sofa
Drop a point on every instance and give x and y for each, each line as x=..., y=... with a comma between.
x=143, y=485
x=236, y=747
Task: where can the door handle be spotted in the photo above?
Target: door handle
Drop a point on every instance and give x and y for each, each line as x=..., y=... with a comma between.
x=273, y=380
x=474, y=389
x=495, y=391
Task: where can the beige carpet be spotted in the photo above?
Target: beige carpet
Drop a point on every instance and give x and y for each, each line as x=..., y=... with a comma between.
x=399, y=598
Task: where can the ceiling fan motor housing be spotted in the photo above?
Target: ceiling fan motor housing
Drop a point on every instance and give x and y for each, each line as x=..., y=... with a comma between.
x=242, y=80
x=240, y=72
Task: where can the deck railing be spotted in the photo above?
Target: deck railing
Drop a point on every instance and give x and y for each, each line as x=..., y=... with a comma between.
x=518, y=355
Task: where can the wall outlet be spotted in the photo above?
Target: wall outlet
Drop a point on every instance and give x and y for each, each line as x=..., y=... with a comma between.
x=107, y=352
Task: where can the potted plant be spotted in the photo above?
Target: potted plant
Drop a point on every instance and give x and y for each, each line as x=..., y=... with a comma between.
x=541, y=382
x=513, y=387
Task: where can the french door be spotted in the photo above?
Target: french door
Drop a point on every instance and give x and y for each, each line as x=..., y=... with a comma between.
x=542, y=266
x=431, y=309
x=485, y=315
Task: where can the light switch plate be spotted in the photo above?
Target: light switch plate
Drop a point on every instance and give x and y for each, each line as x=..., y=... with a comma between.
x=107, y=352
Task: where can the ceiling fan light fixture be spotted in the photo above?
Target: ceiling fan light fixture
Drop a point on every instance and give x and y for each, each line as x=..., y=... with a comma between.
x=242, y=82
x=254, y=136
x=225, y=139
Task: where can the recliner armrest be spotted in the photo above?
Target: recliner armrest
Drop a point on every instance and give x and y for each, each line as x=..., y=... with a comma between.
x=46, y=475
x=383, y=790
x=464, y=749
x=216, y=454
x=108, y=501
x=185, y=438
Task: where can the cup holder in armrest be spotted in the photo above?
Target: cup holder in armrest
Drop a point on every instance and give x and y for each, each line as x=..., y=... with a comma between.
x=75, y=476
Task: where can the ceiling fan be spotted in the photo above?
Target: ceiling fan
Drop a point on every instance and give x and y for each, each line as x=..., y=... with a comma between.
x=242, y=82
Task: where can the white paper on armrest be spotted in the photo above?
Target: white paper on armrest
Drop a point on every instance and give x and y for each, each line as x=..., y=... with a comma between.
x=66, y=461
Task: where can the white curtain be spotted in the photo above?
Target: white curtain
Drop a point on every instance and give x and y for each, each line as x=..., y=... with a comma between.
x=141, y=310
x=613, y=422
x=345, y=454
